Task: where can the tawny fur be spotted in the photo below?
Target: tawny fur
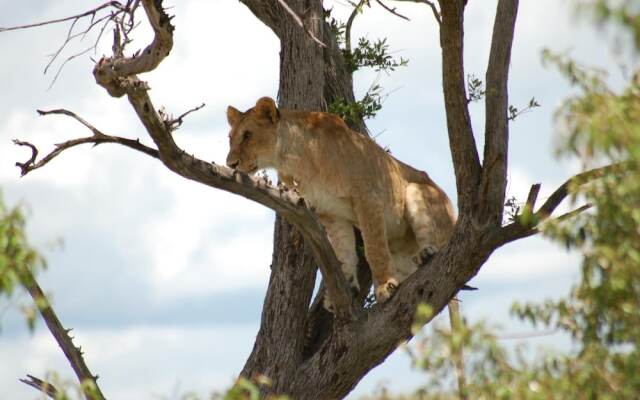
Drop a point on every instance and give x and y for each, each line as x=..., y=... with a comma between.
x=350, y=181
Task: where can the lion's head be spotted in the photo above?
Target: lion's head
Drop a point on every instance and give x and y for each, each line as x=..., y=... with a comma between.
x=252, y=138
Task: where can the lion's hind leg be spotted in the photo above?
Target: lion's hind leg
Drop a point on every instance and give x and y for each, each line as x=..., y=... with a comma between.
x=429, y=214
x=370, y=216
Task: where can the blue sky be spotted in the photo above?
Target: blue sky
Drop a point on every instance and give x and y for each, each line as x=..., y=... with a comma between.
x=163, y=279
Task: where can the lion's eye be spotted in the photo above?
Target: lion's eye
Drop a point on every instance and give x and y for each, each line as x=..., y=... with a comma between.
x=246, y=136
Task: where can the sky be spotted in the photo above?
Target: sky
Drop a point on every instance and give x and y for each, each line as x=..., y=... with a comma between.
x=162, y=279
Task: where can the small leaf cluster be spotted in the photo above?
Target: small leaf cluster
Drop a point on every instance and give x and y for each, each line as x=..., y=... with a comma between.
x=352, y=112
x=475, y=88
x=373, y=55
x=515, y=112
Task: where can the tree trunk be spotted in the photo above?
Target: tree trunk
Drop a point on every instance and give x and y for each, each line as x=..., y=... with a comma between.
x=311, y=77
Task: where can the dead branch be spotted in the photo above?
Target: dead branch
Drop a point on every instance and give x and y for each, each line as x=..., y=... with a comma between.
x=97, y=138
x=45, y=387
x=431, y=5
x=117, y=73
x=74, y=18
x=175, y=123
x=392, y=10
x=105, y=20
x=71, y=352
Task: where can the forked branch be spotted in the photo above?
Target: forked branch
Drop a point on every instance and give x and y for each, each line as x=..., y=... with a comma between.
x=525, y=227
x=97, y=138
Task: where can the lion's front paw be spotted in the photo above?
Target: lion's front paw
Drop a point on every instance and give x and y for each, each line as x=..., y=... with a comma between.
x=425, y=255
x=386, y=290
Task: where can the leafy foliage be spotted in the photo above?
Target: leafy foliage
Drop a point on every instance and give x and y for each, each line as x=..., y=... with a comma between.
x=16, y=256
x=366, y=108
x=475, y=88
x=373, y=55
x=515, y=112
x=367, y=54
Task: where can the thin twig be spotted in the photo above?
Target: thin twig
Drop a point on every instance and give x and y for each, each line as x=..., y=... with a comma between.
x=97, y=138
x=115, y=4
x=431, y=5
x=44, y=387
x=176, y=122
x=392, y=10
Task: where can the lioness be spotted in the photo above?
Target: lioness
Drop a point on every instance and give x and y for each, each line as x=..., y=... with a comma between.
x=350, y=181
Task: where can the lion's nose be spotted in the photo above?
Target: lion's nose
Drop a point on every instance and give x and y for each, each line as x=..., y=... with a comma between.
x=231, y=163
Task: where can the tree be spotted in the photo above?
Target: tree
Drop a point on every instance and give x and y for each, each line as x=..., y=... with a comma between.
x=314, y=348
x=597, y=125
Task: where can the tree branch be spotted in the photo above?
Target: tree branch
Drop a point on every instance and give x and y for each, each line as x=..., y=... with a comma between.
x=521, y=229
x=431, y=5
x=45, y=387
x=74, y=18
x=464, y=152
x=72, y=353
x=495, y=161
x=113, y=73
x=347, y=29
x=392, y=10
x=97, y=138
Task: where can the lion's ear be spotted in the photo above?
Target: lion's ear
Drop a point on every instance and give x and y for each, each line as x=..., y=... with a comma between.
x=266, y=108
x=233, y=115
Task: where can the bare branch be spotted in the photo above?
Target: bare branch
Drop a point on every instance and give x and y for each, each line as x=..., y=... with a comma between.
x=392, y=10
x=73, y=18
x=300, y=22
x=45, y=387
x=175, y=123
x=97, y=138
x=71, y=352
x=113, y=16
x=112, y=72
x=494, y=174
x=431, y=5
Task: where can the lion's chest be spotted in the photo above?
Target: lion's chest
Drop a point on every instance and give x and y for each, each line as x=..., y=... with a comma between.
x=327, y=202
